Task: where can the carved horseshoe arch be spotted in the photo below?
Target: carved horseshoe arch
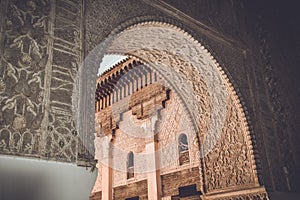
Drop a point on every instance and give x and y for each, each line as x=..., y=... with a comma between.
x=205, y=91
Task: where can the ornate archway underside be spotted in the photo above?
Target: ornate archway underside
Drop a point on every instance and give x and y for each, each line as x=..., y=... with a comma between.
x=228, y=166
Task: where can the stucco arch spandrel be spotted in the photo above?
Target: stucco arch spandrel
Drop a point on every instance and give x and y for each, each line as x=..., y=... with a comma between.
x=206, y=93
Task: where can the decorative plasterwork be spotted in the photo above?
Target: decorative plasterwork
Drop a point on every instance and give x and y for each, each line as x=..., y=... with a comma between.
x=22, y=91
x=203, y=89
x=40, y=55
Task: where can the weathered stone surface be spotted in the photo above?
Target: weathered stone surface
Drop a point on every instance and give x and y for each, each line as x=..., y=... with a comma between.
x=43, y=44
x=23, y=61
x=242, y=55
x=37, y=86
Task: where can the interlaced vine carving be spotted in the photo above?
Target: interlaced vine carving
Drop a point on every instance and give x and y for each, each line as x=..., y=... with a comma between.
x=229, y=164
x=22, y=77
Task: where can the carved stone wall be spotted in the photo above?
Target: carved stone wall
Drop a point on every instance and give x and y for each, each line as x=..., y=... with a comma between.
x=235, y=39
x=227, y=152
x=66, y=58
x=229, y=163
x=272, y=66
x=23, y=67
x=41, y=51
x=40, y=55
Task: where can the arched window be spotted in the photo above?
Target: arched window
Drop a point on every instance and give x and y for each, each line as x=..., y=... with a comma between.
x=130, y=165
x=183, y=149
